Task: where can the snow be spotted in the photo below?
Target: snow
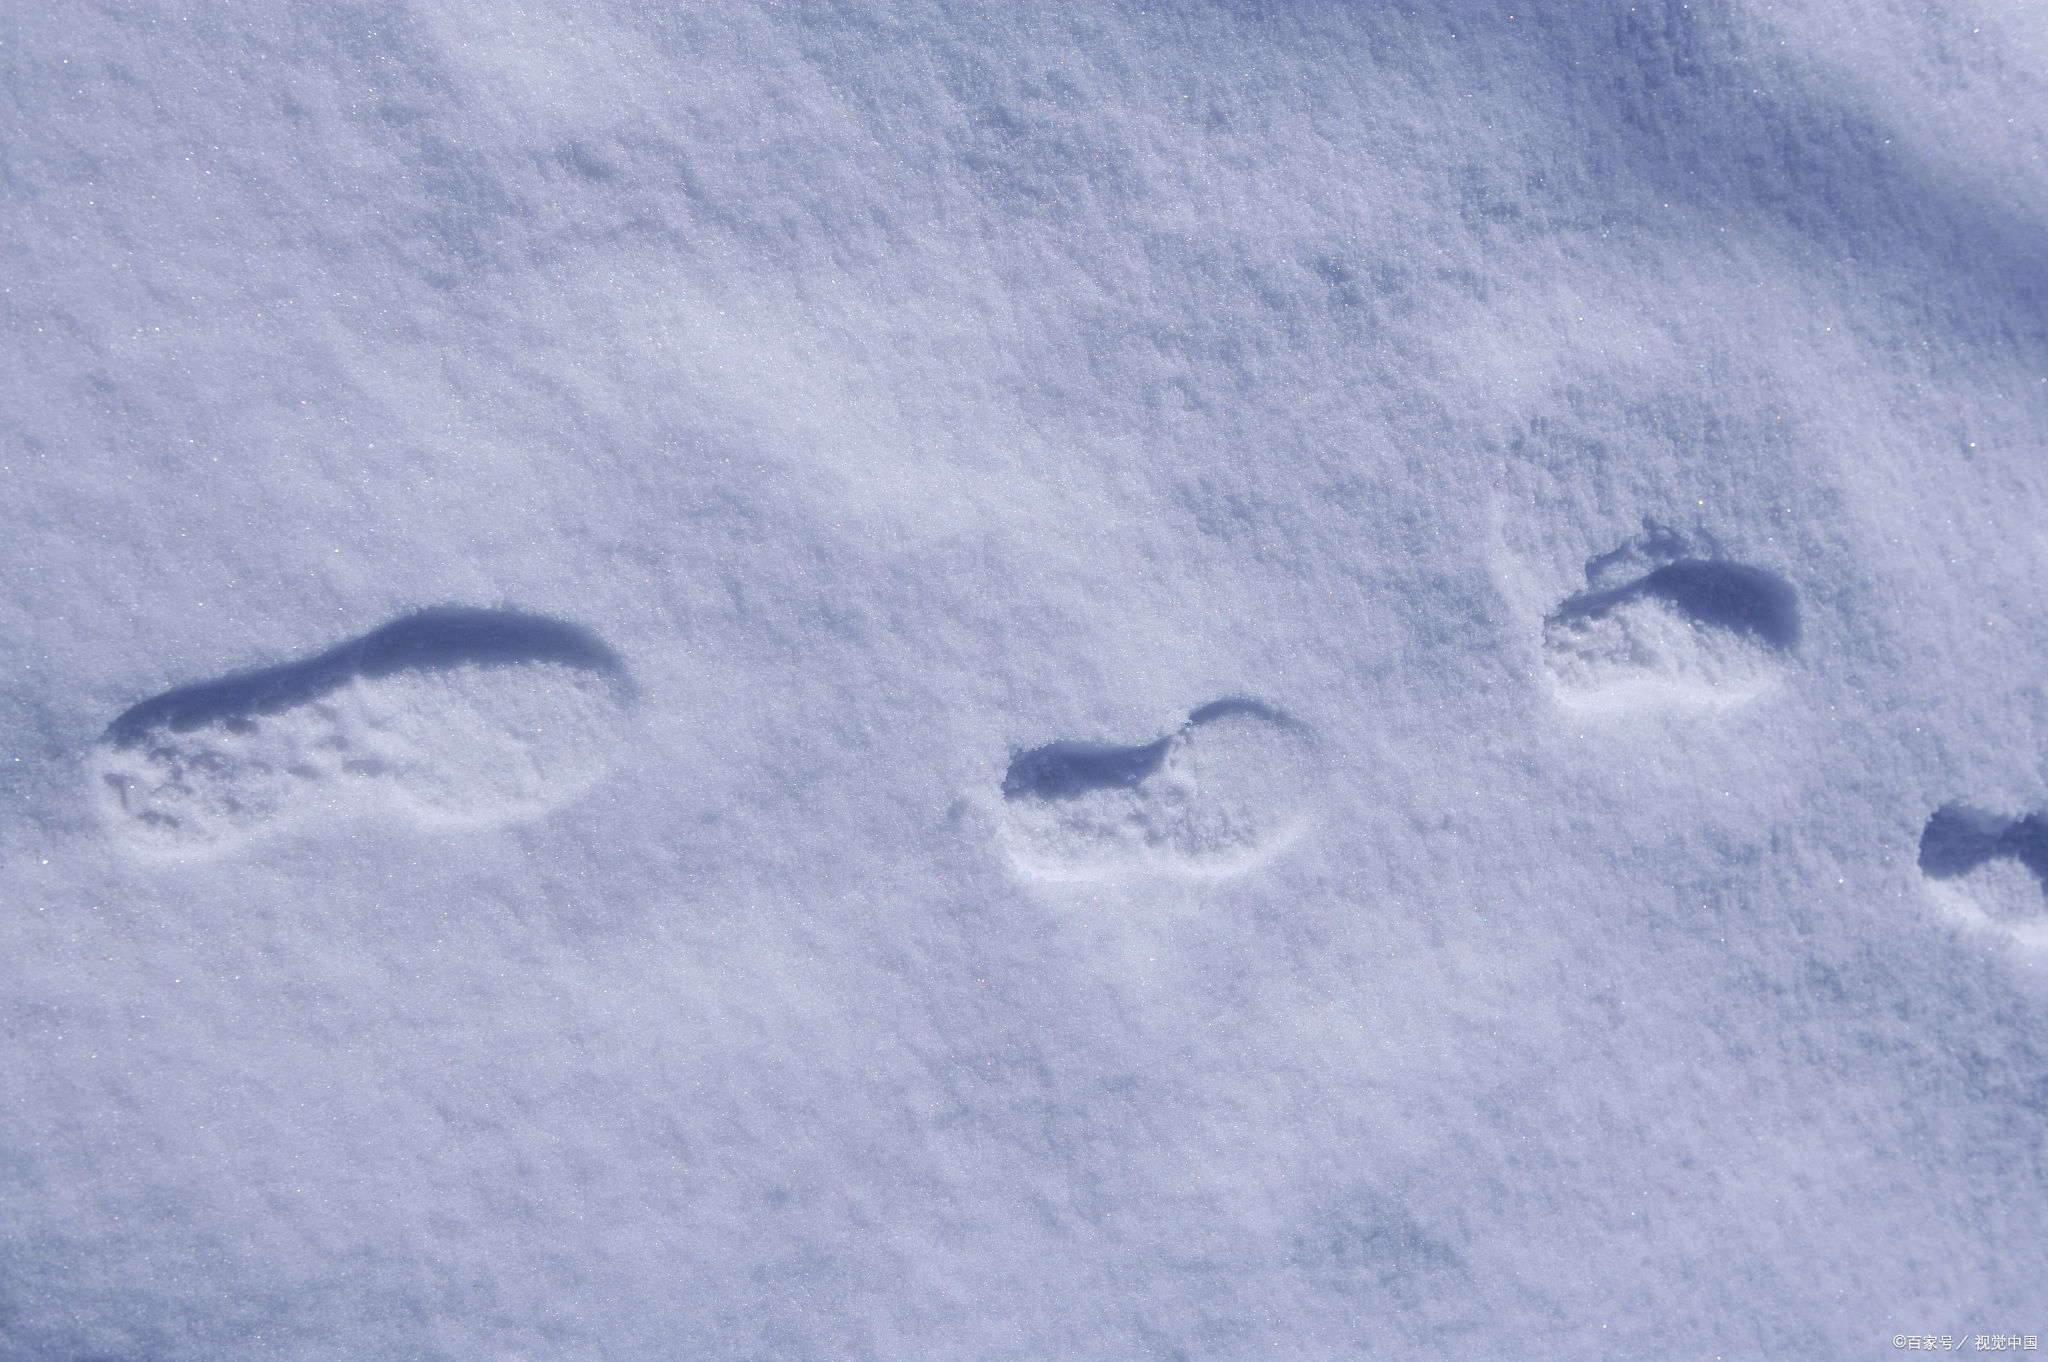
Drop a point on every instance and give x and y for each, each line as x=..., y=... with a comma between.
x=927, y=680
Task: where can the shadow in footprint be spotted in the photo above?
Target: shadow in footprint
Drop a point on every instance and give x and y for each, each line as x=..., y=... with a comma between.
x=1718, y=595
x=1066, y=770
x=436, y=639
x=1226, y=789
x=1959, y=839
x=1990, y=870
x=1686, y=629
x=454, y=714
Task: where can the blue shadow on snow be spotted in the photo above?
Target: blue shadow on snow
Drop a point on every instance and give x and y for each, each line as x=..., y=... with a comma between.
x=1067, y=770
x=1958, y=839
x=1731, y=596
x=431, y=640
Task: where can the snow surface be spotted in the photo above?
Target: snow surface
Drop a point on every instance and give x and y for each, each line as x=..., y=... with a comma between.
x=927, y=680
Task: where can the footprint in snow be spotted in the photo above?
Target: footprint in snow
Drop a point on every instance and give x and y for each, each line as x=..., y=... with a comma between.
x=455, y=715
x=1688, y=630
x=1225, y=791
x=1990, y=870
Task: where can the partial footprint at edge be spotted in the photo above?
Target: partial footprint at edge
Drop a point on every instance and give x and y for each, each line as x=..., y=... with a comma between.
x=1229, y=788
x=1990, y=870
x=1698, y=630
x=454, y=715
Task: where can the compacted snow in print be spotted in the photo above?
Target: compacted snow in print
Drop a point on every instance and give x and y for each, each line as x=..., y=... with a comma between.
x=1023, y=681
